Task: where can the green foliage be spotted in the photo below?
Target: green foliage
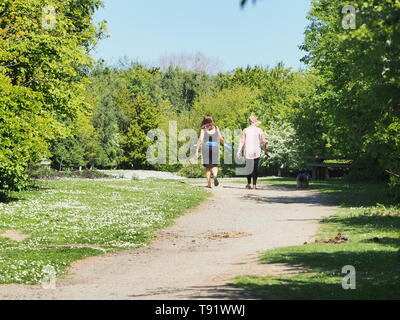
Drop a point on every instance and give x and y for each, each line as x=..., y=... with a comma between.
x=197, y=171
x=227, y=171
x=142, y=116
x=358, y=100
x=309, y=120
x=24, y=130
x=47, y=173
x=67, y=153
x=141, y=80
x=41, y=79
x=192, y=171
x=229, y=107
x=48, y=61
x=106, y=116
x=279, y=89
x=106, y=123
x=121, y=118
x=182, y=88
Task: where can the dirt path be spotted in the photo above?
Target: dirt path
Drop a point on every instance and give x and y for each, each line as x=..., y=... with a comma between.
x=197, y=256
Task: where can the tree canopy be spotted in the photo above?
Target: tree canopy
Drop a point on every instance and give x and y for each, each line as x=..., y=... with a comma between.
x=56, y=102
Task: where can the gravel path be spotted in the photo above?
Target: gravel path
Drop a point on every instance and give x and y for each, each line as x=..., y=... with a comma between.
x=196, y=257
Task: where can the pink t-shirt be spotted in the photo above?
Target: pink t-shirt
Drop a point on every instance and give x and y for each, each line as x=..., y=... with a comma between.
x=252, y=142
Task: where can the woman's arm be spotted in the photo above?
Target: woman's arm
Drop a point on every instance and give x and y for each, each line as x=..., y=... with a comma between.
x=200, y=141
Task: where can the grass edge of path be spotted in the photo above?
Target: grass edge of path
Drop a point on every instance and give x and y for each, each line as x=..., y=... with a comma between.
x=371, y=223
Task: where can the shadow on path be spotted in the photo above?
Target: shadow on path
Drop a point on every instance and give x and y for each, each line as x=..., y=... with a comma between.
x=310, y=199
x=200, y=292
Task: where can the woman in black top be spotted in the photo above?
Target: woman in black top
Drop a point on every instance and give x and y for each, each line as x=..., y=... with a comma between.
x=209, y=142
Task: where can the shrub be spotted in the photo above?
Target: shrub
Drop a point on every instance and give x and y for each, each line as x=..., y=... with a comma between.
x=42, y=173
x=168, y=167
x=90, y=174
x=228, y=172
x=192, y=171
x=197, y=171
x=49, y=174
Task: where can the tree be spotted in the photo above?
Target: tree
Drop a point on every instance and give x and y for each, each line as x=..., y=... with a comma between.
x=280, y=89
x=107, y=117
x=310, y=118
x=142, y=80
x=24, y=130
x=142, y=116
x=106, y=120
x=182, y=88
x=285, y=151
x=361, y=72
x=197, y=62
x=230, y=107
x=48, y=61
x=42, y=77
x=67, y=153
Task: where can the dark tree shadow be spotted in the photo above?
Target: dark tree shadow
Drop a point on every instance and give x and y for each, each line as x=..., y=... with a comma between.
x=202, y=292
x=366, y=223
x=341, y=192
x=311, y=199
x=332, y=261
x=9, y=197
x=297, y=289
x=386, y=241
x=377, y=277
x=6, y=198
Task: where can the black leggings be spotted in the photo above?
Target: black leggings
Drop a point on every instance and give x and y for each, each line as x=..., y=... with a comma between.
x=254, y=174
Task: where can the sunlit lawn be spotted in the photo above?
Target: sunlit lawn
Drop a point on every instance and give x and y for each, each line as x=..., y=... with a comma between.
x=71, y=219
x=372, y=225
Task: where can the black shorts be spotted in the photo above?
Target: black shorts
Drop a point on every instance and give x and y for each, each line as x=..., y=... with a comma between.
x=210, y=156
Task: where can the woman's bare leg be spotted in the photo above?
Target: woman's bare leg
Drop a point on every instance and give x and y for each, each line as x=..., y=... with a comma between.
x=208, y=176
x=215, y=174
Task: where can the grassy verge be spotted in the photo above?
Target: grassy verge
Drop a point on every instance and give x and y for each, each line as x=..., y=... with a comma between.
x=372, y=225
x=68, y=220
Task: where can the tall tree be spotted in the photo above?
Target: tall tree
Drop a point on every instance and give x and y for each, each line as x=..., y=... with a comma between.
x=142, y=116
x=361, y=71
x=43, y=55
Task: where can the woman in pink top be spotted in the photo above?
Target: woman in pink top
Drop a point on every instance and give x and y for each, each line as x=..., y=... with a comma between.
x=252, y=139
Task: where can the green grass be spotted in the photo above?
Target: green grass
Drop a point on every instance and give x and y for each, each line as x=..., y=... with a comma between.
x=106, y=215
x=371, y=223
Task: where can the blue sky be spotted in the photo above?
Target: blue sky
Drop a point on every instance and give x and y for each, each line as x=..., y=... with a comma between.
x=263, y=34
